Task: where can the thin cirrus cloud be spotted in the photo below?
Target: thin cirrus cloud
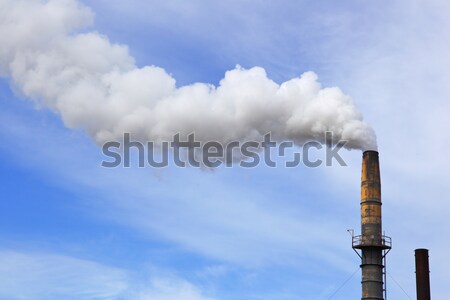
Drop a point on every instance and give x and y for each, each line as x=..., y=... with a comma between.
x=50, y=276
x=39, y=276
x=262, y=232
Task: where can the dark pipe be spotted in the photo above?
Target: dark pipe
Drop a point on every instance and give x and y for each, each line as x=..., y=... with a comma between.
x=422, y=275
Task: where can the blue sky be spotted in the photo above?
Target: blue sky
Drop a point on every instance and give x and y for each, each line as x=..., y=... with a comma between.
x=73, y=230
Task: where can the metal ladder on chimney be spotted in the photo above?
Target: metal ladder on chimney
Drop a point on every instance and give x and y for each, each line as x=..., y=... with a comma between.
x=384, y=275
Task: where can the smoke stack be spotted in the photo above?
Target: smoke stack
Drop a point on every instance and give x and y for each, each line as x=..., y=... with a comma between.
x=373, y=245
x=422, y=275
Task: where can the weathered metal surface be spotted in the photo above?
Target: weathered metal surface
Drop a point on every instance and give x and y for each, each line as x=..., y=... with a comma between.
x=371, y=242
x=422, y=275
x=371, y=196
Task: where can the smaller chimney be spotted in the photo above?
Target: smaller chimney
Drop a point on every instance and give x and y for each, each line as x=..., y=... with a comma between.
x=422, y=274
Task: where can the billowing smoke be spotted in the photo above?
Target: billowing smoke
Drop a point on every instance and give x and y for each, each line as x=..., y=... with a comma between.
x=95, y=85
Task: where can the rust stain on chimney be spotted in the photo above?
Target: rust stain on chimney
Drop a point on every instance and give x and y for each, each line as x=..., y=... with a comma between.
x=370, y=196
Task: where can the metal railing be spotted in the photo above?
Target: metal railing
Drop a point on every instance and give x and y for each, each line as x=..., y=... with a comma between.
x=381, y=241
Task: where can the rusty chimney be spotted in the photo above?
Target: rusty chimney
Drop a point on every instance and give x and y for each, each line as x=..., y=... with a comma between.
x=422, y=275
x=373, y=245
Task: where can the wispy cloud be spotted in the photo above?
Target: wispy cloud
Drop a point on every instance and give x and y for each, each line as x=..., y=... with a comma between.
x=239, y=225
x=50, y=276
x=39, y=276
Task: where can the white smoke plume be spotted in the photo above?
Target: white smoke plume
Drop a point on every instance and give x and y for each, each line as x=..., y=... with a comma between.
x=96, y=86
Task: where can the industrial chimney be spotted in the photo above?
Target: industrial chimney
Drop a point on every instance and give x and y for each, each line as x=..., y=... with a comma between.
x=372, y=243
x=422, y=274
